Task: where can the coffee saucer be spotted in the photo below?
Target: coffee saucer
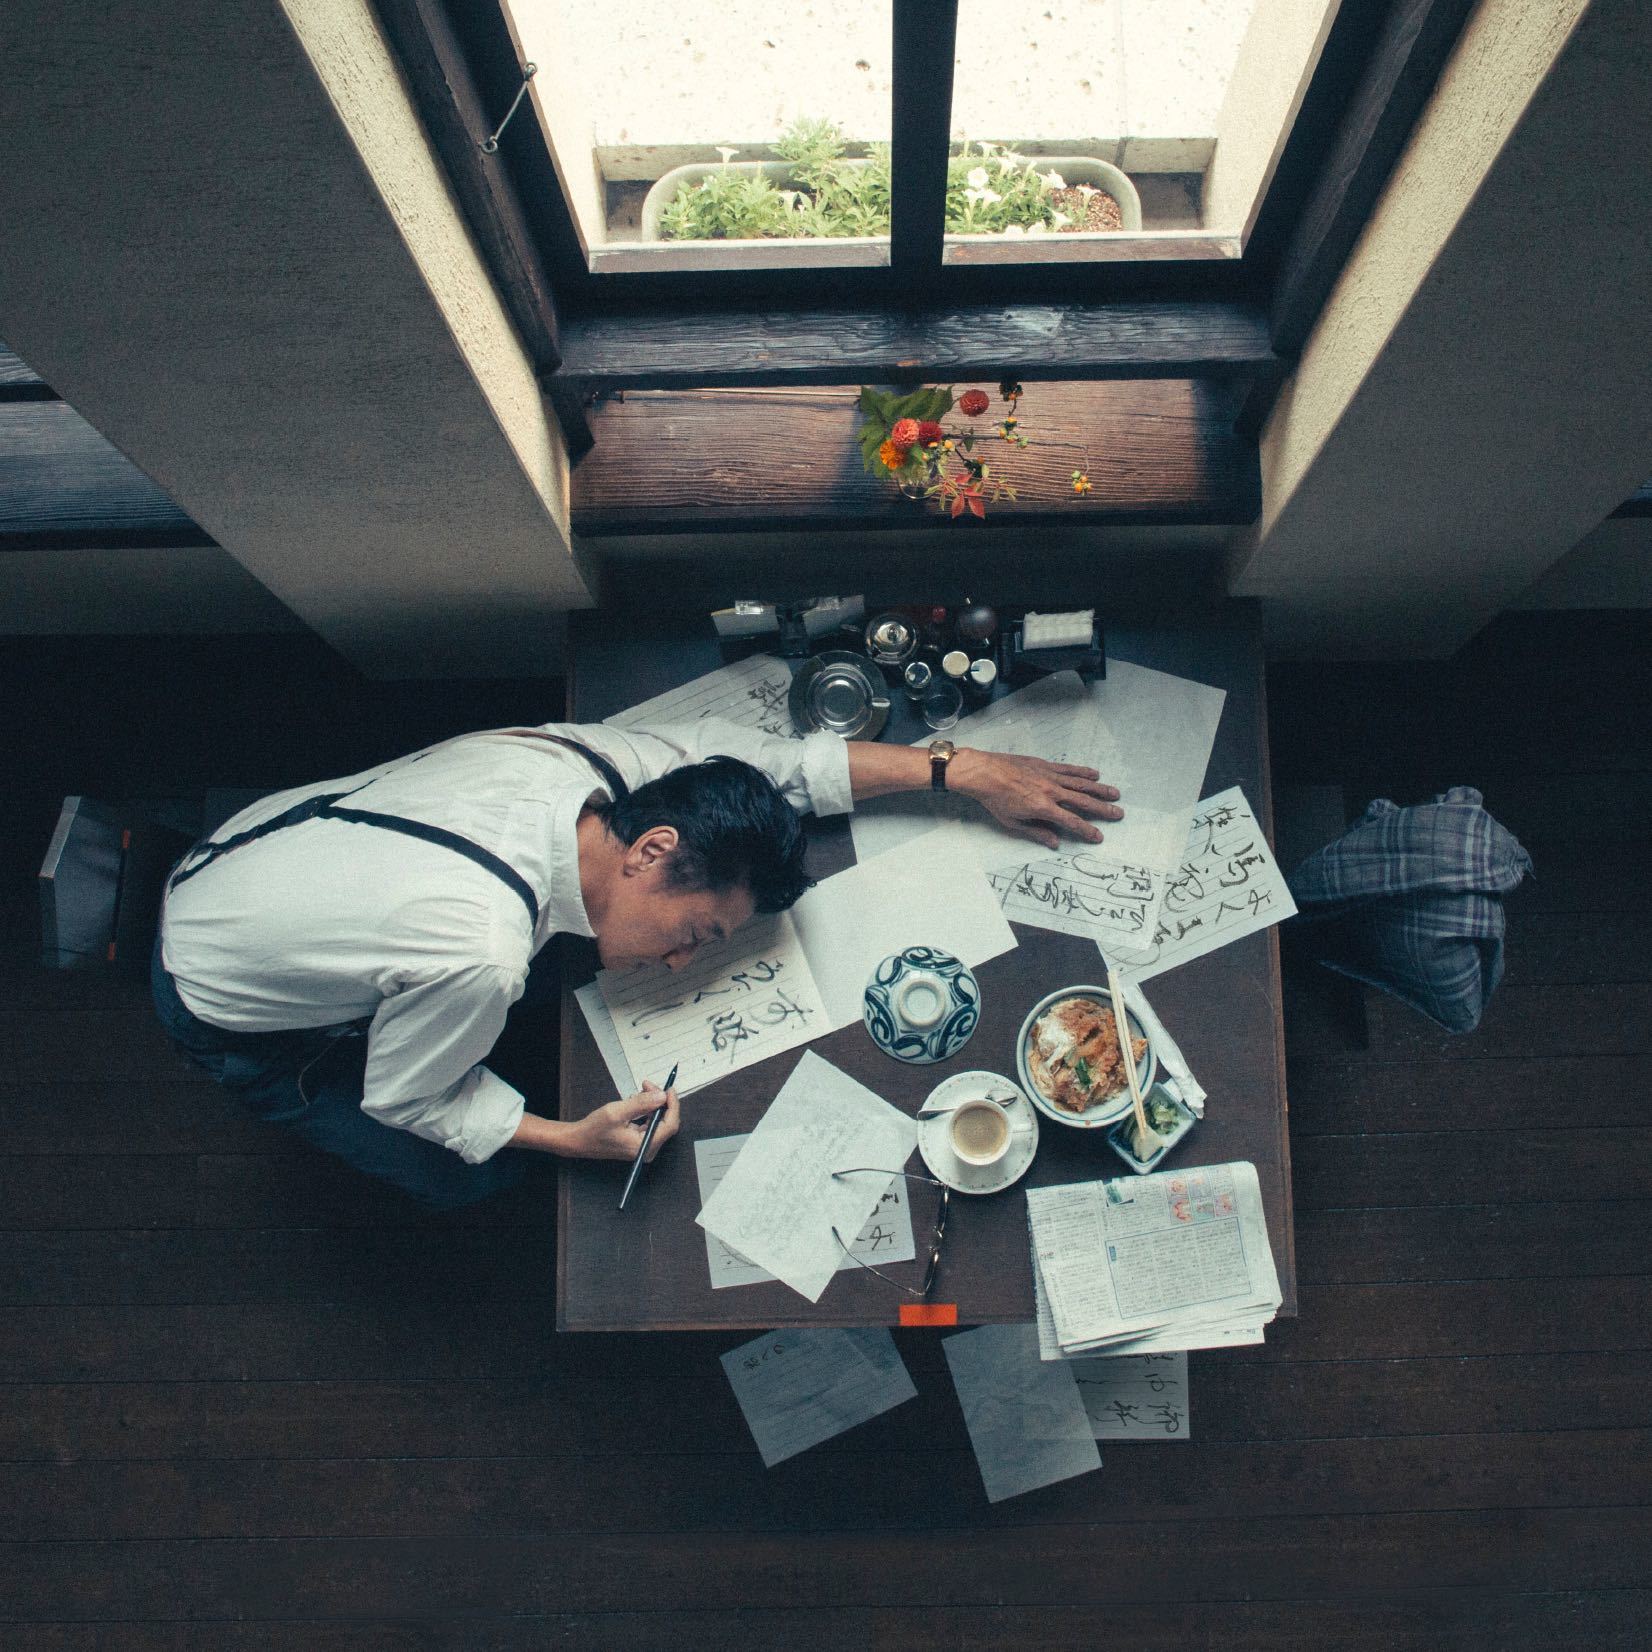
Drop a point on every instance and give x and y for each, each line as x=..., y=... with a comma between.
x=935, y=1145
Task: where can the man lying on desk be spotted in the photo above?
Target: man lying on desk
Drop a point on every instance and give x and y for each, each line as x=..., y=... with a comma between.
x=342, y=956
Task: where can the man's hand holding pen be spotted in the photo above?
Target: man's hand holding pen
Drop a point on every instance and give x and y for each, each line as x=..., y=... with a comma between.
x=615, y=1131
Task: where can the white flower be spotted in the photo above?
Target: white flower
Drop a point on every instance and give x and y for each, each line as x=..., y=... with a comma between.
x=727, y=154
x=1061, y=218
x=978, y=177
x=1014, y=229
x=1013, y=159
x=1086, y=190
x=985, y=196
x=1054, y=180
x=1040, y=228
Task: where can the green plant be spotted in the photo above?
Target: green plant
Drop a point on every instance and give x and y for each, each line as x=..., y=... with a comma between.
x=990, y=190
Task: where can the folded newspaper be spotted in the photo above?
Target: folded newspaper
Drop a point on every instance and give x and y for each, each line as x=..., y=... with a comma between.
x=1146, y=1264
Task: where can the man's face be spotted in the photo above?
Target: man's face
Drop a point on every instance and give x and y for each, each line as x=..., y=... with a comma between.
x=650, y=921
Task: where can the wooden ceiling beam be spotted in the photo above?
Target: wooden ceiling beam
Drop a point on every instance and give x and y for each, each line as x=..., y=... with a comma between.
x=817, y=347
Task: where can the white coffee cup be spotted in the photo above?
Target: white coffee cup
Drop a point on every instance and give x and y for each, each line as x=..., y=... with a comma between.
x=979, y=1132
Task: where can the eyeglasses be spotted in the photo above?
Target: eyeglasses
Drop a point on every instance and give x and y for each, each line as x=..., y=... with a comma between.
x=934, y=1244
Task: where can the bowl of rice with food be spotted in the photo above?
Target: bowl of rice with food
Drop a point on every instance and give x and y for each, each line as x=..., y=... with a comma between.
x=1072, y=1065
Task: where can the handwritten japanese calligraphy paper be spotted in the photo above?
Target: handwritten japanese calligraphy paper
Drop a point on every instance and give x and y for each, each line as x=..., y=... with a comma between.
x=886, y=1237
x=740, y=1000
x=797, y=1388
x=779, y=1202
x=1136, y=1396
x=1226, y=885
x=1025, y=1417
x=606, y=1035
x=751, y=693
x=929, y=892
x=1147, y=732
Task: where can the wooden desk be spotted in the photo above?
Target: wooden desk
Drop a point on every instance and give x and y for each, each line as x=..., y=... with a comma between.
x=646, y=1269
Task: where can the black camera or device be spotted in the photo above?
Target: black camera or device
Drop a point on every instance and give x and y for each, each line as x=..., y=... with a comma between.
x=101, y=884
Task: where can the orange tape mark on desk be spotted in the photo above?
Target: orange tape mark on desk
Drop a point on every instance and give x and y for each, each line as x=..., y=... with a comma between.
x=929, y=1313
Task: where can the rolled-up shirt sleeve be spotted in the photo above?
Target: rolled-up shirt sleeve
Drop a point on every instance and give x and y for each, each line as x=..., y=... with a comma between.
x=424, y=1061
x=812, y=773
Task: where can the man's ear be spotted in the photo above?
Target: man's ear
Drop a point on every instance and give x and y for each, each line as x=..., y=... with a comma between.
x=654, y=846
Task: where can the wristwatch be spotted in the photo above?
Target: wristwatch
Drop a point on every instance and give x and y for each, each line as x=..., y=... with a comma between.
x=941, y=752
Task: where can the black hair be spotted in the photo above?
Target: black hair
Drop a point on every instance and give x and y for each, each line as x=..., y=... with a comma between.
x=733, y=827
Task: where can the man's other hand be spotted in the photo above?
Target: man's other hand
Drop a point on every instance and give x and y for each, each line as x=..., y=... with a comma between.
x=1033, y=798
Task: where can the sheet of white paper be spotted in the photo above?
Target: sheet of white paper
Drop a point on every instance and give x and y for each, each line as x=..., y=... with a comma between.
x=1026, y=1419
x=779, y=1201
x=1136, y=1396
x=929, y=892
x=603, y=1031
x=1156, y=733
x=886, y=1237
x=751, y=693
x=1226, y=885
x=797, y=1388
x=741, y=1000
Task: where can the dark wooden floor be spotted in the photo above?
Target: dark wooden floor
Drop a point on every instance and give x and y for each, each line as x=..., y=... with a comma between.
x=252, y=1404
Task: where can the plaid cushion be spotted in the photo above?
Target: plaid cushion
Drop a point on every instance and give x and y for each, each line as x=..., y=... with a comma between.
x=1411, y=900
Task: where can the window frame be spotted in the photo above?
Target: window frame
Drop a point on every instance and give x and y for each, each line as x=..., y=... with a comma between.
x=1377, y=66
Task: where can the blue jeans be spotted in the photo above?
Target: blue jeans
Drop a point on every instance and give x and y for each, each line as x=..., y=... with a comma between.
x=309, y=1081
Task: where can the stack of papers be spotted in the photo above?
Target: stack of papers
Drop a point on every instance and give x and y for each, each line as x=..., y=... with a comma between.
x=1148, y=1264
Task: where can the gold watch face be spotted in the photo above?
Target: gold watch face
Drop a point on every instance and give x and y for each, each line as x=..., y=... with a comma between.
x=942, y=748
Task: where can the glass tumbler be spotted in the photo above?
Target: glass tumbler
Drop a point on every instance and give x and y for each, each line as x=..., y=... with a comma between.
x=942, y=704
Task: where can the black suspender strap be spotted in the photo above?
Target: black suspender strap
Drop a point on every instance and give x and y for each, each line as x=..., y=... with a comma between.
x=326, y=808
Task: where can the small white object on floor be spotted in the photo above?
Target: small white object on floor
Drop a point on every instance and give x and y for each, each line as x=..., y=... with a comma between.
x=1026, y=1419
x=797, y=1388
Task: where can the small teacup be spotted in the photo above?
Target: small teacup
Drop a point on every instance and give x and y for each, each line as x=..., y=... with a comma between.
x=979, y=1132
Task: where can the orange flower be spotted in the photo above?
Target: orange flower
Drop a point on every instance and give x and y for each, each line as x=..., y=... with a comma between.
x=1081, y=482
x=892, y=456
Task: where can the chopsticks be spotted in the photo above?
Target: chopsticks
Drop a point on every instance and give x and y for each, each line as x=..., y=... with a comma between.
x=1121, y=1027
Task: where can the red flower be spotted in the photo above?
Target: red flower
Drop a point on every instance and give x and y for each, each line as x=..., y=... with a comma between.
x=905, y=433
x=930, y=432
x=973, y=403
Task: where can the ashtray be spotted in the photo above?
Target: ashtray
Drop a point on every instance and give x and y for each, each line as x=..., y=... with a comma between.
x=1161, y=1107
x=841, y=692
x=921, y=1004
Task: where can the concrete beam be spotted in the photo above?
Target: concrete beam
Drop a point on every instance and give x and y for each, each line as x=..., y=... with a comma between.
x=1477, y=394
x=228, y=245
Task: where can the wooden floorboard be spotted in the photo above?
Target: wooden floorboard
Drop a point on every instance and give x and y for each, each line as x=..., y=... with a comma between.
x=250, y=1402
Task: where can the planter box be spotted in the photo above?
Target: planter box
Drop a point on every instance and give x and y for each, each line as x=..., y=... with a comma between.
x=1074, y=169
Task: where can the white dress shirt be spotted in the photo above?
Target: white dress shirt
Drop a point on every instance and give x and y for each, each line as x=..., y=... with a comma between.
x=329, y=921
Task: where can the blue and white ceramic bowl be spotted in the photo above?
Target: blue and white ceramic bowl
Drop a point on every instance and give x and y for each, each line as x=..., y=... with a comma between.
x=921, y=1005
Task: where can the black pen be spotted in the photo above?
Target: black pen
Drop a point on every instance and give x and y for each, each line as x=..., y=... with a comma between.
x=647, y=1136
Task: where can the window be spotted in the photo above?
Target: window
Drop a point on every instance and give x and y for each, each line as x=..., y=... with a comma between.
x=742, y=135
